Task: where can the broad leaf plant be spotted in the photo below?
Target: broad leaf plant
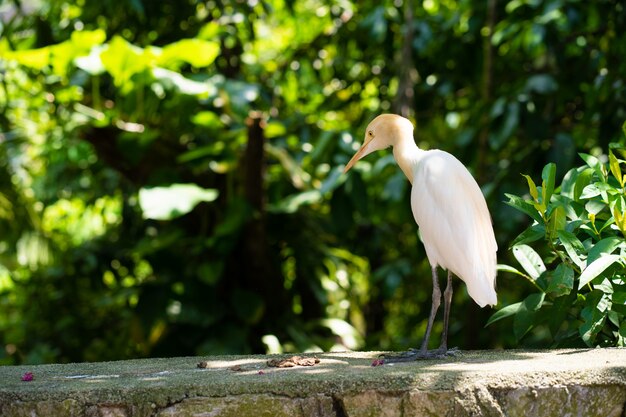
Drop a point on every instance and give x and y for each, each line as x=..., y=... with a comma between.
x=574, y=254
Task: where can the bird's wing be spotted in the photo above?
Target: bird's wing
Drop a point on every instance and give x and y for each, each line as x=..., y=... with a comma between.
x=455, y=224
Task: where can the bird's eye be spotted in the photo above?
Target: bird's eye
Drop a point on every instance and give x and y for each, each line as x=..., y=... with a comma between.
x=370, y=133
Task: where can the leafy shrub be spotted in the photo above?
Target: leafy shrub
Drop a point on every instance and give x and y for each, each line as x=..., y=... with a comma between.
x=577, y=261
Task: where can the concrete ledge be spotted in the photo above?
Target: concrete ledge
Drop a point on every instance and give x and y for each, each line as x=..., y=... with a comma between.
x=590, y=382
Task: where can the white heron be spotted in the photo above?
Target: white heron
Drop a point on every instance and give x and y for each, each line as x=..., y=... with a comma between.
x=452, y=216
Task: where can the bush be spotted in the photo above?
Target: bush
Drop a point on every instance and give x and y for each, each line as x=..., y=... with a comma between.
x=577, y=261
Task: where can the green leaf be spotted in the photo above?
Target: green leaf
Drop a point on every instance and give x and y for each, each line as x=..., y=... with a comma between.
x=524, y=206
x=604, y=247
x=123, y=60
x=503, y=313
x=547, y=185
x=556, y=222
x=561, y=280
x=618, y=300
x=509, y=268
x=594, y=316
x=293, y=202
x=596, y=268
x=524, y=319
x=31, y=58
x=197, y=52
x=349, y=335
x=594, y=163
x=207, y=119
x=558, y=311
x=569, y=182
x=591, y=191
x=583, y=179
x=171, y=79
x=165, y=203
x=529, y=260
x=615, y=168
x=532, y=187
x=532, y=234
x=573, y=246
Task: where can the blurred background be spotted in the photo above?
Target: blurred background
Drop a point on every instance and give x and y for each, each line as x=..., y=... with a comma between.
x=171, y=171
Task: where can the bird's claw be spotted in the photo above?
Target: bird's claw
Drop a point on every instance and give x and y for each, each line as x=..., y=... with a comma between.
x=416, y=355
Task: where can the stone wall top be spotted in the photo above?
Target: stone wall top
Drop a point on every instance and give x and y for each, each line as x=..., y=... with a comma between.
x=585, y=382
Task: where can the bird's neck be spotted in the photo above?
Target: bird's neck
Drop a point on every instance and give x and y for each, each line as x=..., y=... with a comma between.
x=407, y=155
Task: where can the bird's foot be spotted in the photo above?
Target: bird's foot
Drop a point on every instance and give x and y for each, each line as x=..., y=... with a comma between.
x=416, y=355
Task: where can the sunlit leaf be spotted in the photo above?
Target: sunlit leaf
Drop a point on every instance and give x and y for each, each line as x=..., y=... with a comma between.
x=165, y=203
x=184, y=85
x=548, y=177
x=593, y=163
x=529, y=259
x=32, y=58
x=123, y=60
x=207, y=119
x=596, y=268
x=604, y=247
x=197, y=52
x=86, y=39
x=532, y=188
x=556, y=222
x=573, y=247
x=349, y=335
x=615, y=168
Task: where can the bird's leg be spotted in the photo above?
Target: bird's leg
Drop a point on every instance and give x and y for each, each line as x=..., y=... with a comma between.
x=447, y=300
x=423, y=352
x=436, y=300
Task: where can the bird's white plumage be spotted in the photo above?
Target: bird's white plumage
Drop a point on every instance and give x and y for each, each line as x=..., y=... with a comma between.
x=454, y=222
x=447, y=204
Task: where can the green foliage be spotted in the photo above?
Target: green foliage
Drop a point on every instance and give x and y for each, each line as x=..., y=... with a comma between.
x=578, y=266
x=140, y=217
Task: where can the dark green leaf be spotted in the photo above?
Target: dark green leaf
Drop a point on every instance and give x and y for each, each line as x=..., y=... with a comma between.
x=557, y=313
x=525, y=316
x=619, y=301
x=594, y=315
x=529, y=235
x=524, y=206
x=503, y=313
x=561, y=280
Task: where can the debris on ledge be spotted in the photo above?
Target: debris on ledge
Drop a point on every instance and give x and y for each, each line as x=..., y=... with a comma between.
x=585, y=382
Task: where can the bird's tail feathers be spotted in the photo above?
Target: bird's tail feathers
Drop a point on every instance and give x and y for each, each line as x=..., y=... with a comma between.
x=482, y=287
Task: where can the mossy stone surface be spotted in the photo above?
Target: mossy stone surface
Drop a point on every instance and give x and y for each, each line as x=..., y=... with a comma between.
x=584, y=382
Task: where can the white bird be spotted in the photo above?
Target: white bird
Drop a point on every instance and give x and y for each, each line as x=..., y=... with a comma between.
x=452, y=216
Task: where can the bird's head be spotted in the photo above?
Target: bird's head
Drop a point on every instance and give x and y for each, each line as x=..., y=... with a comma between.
x=381, y=133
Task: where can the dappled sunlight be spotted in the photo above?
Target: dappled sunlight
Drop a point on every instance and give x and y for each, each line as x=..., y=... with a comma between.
x=172, y=176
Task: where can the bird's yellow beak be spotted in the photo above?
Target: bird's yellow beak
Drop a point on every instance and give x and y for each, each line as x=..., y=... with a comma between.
x=360, y=154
